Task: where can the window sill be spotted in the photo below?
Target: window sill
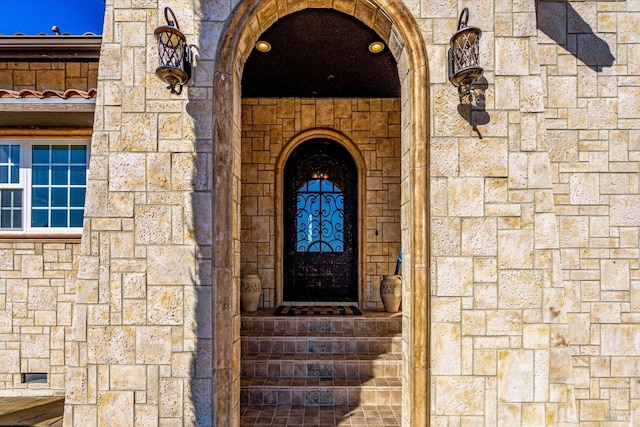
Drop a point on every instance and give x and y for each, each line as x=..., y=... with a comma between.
x=40, y=237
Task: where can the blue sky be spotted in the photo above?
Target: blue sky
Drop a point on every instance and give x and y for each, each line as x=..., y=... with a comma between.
x=38, y=16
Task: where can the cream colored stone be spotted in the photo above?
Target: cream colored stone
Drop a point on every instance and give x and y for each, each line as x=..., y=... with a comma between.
x=479, y=237
x=459, y=395
x=483, y=158
x=127, y=377
x=620, y=340
x=446, y=344
x=515, y=376
x=153, y=345
x=466, y=197
x=115, y=408
x=504, y=322
x=455, y=276
x=165, y=305
x=515, y=248
x=110, y=344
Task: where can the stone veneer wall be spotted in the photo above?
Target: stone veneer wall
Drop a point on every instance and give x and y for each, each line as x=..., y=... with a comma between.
x=41, y=76
x=374, y=126
x=37, y=293
x=590, y=58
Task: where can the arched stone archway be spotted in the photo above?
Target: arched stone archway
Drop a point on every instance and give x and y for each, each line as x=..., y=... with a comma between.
x=396, y=26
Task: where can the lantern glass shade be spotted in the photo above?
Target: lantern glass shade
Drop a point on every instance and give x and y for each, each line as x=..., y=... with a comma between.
x=464, y=68
x=172, y=49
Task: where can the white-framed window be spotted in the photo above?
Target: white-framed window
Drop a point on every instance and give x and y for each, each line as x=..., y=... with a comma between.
x=43, y=184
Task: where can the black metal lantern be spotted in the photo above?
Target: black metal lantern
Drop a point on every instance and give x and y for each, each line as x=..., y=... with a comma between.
x=174, y=54
x=464, y=53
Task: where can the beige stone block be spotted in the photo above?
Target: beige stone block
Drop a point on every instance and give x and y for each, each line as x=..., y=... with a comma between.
x=628, y=28
x=584, y=189
x=110, y=344
x=615, y=275
x=535, y=336
x=479, y=237
x=485, y=158
x=34, y=345
x=263, y=114
x=139, y=132
x=153, y=345
x=579, y=328
x=562, y=91
x=444, y=157
x=574, y=232
x=625, y=210
x=127, y=172
x=620, y=340
x=515, y=376
x=165, y=305
x=512, y=56
x=115, y=408
x=459, y=395
x=445, y=236
x=546, y=231
x=41, y=298
x=446, y=346
x=594, y=410
x=454, y=276
x=515, y=249
x=9, y=361
x=170, y=265
x=152, y=225
x=32, y=267
x=127, y=377
x=466, y=196
x=445, y=309
x=504, y=322
x=171, y=397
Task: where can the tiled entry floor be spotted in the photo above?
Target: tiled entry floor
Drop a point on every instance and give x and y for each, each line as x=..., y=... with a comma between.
x=354, y=416
x=321, y=370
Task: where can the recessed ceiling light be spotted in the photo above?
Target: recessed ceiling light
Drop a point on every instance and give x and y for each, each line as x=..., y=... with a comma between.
x=263, y=46
x=376, y=47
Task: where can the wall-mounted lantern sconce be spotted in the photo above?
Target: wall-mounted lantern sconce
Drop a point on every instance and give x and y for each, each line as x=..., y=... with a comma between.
x=174, y=54
x=464, y=52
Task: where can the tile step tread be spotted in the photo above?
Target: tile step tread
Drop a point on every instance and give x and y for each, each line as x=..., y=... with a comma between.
x=319, y=383
x=333, y=335
x=322, y=357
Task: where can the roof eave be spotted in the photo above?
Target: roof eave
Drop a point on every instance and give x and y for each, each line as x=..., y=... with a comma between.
x=46, y=48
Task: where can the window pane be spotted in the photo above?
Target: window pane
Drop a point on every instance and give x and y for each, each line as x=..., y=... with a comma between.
x=40, y=175
x=59, y=175
x=39, y=218
x=40, y=197
x=76, y=218
x=60, y=154
x=9, y=164
x=78, y=175
x=79, y=154
x=59, y=197
x=58, y=218
x=40, y=154
x=10, y=209
x=76, y=198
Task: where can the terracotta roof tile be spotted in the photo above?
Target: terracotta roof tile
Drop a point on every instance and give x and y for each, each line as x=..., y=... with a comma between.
x=27, y=93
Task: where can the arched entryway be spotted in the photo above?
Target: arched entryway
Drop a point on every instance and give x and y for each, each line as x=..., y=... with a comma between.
x=397, y=28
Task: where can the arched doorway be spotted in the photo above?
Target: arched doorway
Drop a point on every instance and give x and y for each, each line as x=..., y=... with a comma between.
x=320, y=207
x=397, y=27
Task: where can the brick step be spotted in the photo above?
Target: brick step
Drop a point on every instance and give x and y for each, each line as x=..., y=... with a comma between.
x=313, y=365
x=371, y=321
x=318, y=392
x=335, y=343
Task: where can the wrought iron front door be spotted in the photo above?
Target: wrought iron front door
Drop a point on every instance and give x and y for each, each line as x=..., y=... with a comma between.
x=320, y=224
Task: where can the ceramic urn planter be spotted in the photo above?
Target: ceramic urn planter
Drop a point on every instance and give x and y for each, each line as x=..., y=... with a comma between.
x=391, y=292
x=250, y=290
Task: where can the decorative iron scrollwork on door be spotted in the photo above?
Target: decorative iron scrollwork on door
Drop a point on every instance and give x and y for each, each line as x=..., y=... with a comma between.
x=320, y=223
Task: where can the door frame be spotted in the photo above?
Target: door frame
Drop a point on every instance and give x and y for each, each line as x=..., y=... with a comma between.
x=350, y=146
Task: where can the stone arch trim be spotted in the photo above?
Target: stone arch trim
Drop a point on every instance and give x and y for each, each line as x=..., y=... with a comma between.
x=357, y=157
x=396, y=25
